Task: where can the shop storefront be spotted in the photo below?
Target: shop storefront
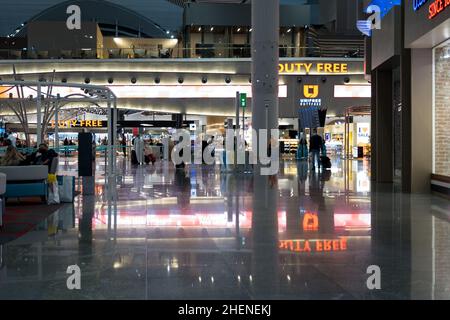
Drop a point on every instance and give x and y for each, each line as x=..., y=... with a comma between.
x=410, y=104
x=441, y=119
x=440, y=181
x=428, y=35
x=357, y=134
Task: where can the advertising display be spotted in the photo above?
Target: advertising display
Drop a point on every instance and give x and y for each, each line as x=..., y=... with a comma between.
x=363, y=133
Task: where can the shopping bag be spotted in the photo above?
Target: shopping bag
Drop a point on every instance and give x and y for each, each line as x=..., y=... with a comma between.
x=66, y=187
x=53, y=193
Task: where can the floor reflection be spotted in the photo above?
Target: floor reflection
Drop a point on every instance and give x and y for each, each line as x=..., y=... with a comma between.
x=203, y=234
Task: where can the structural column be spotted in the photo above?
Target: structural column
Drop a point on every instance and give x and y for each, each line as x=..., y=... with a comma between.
x=39, y=116
x=383, y=116
x=265, y=59
x=419, y=134
x=373, y=127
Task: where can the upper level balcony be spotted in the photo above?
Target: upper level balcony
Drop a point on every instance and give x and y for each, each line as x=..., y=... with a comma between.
x=109, y=31
x=200, y=51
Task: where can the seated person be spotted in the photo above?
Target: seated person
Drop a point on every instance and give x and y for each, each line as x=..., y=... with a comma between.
x=12, y=157
x=43, y=156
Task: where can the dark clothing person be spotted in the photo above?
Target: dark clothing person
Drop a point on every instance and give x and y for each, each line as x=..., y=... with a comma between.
x=66, y=143
x=316, y=143
x=315, y=147
x=46, y=157
x=43, y=156
x=123, y=142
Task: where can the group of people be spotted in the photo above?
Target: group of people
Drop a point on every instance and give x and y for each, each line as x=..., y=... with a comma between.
x=142, y=152
x=43, y=156
x=8, y=138
x=66, y=144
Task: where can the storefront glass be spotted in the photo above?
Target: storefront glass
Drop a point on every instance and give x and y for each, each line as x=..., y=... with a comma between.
x=442, y=109
x=358, y=135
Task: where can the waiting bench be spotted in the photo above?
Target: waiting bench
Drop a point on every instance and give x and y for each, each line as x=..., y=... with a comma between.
x=26, y=181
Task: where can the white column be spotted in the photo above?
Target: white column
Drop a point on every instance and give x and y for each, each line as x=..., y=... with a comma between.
x=109, y=168
x=56, y=125
x=265, y=59
x=38, y=116
x=236, y=146
x=115, y=115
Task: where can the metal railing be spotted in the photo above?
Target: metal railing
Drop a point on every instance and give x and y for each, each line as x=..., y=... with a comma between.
x=217, y=51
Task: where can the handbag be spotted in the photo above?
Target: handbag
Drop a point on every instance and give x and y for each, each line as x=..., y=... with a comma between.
x=324, y=150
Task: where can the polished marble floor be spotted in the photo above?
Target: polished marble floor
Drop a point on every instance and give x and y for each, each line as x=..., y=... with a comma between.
x=209, y=234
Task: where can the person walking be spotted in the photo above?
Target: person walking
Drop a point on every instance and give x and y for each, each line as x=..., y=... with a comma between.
x=315, y=147
x=138, y=145
x=123, y=142
x=302, y=151
x=66, y=145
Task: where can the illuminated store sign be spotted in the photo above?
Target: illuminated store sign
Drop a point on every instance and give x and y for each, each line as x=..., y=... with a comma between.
x=417, y=4
x=436, y=7
x=318, y=68
x=310, y=92
x=79, y=124
x=332, y=245
x=310, y=102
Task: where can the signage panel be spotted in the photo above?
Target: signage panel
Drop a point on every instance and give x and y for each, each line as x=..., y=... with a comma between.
x=79, y=124
x=313, y=68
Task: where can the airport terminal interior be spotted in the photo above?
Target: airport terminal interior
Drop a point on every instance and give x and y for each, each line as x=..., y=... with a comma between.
x=224, y=150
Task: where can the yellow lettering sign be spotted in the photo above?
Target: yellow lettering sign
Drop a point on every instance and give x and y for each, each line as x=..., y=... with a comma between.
x=326, y=68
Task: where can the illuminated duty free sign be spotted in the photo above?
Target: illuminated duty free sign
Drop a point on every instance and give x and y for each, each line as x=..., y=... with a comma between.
x=318, y=68
x=79, y=124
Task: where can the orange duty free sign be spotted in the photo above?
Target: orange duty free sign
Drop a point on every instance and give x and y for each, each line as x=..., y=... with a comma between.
x=319, y=245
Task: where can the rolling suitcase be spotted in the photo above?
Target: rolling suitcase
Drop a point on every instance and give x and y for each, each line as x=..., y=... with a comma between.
x=326, y=162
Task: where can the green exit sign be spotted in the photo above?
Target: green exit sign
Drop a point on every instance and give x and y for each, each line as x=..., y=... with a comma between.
x=243, y=100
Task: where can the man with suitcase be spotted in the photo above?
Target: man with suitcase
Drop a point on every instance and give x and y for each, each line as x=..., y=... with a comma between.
x=315, y=147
